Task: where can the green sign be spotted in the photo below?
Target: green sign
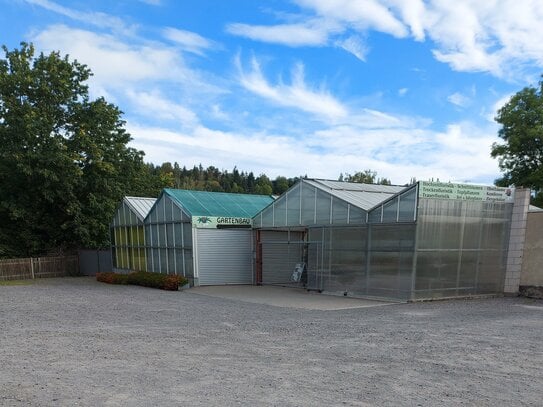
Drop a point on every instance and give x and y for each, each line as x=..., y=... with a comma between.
x=213, y=222
x=438, y=190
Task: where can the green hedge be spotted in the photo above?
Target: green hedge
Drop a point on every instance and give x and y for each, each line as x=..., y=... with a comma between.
x=143, y=278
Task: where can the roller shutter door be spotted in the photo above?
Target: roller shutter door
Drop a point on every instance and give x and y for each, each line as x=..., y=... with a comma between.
x=225, y=256
x=279, y=256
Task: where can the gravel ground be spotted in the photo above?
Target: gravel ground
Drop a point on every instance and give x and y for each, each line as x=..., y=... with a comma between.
x=74, y=341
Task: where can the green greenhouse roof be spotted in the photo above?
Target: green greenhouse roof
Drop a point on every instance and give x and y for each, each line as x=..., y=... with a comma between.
x=202, y=203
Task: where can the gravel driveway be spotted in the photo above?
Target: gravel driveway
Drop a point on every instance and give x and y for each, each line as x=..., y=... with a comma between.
x=74, y=341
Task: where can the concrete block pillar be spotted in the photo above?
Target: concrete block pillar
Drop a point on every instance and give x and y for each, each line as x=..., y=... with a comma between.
x=516, y=241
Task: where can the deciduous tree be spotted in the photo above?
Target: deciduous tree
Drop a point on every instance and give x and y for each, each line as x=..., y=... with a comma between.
x=64, y=159
x=520, y=156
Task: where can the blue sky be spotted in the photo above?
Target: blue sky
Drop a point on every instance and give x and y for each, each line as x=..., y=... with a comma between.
x=407, y=88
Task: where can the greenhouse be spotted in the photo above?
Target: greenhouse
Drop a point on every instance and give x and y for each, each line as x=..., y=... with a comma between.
x=204, y=236
x=127, y=234
x=427, y=240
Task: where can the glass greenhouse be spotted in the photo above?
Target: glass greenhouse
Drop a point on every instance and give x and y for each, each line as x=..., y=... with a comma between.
x=204, y=236
x=127, y=234
x=428, y=240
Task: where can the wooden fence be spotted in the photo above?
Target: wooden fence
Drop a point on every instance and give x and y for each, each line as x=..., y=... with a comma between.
x=41, y=267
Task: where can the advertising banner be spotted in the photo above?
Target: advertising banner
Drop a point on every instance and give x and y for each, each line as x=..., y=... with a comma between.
x=439, y=190
x=214, y=222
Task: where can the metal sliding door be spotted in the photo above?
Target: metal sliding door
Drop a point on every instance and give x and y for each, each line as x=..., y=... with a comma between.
x=224, y=256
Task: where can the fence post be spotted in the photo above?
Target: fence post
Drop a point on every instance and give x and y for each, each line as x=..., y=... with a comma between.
x=32, y=267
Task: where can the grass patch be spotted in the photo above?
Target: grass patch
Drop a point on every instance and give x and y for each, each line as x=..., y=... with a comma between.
x=145, y=279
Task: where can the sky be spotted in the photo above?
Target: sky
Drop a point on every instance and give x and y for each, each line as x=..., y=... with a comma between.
x=406, y=88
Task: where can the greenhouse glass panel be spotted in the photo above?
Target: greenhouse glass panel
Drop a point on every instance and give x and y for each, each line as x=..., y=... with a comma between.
x=162, y=235
x=390, y=211
x=293, y=198
x=375, y=215
x=356, y=215
x=467, y=277
x=178, y=232
x=280, y=212
x=153, y=218
x=437, y=273
x=149, y=254
x=131, y=254
x=141, y=236
x=339, y=211
x=491, y=272
x=267, y=216
x=440, y=224
x=347, y=260
x=161, y=210
x=177, y=216
x=314, y=256
x=471, y=234
x=169, y=235
x=462, y=247
x=117, y=236
x=163, y=261
x=156, y=261
x=308, y=204
x=493, y=233
x=147, y=235
x=408, y=201
x=257, y=221
x=154, y=235
x=187, y=235
x=132, y=235
x=171, y=262
x=323, y=208
x=392, y=237
x=384, y=274
x=168, y=209
x=189, y=269
x=179, y=261
x=122, y=215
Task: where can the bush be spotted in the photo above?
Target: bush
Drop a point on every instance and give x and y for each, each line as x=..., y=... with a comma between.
x=112, y=278
x=144, y=278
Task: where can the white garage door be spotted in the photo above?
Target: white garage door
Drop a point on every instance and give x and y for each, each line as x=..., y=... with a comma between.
x=225, y=256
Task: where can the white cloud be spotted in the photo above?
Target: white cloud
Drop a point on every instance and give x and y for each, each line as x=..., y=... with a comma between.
x=117, y=64
x=154, y=105
x=402, y=91
x=459, y=99
x=297, y=94
x=461, y=152
x=358, y=14
x=355, y=45
x=188, y=40
x=502, y=38
x=218, y=113
x=411, y=12
x=97, y=19
x=292, y=35
x=112, y=60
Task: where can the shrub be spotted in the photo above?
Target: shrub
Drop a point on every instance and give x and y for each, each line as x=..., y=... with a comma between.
x=112, y=278
x=144, y=278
